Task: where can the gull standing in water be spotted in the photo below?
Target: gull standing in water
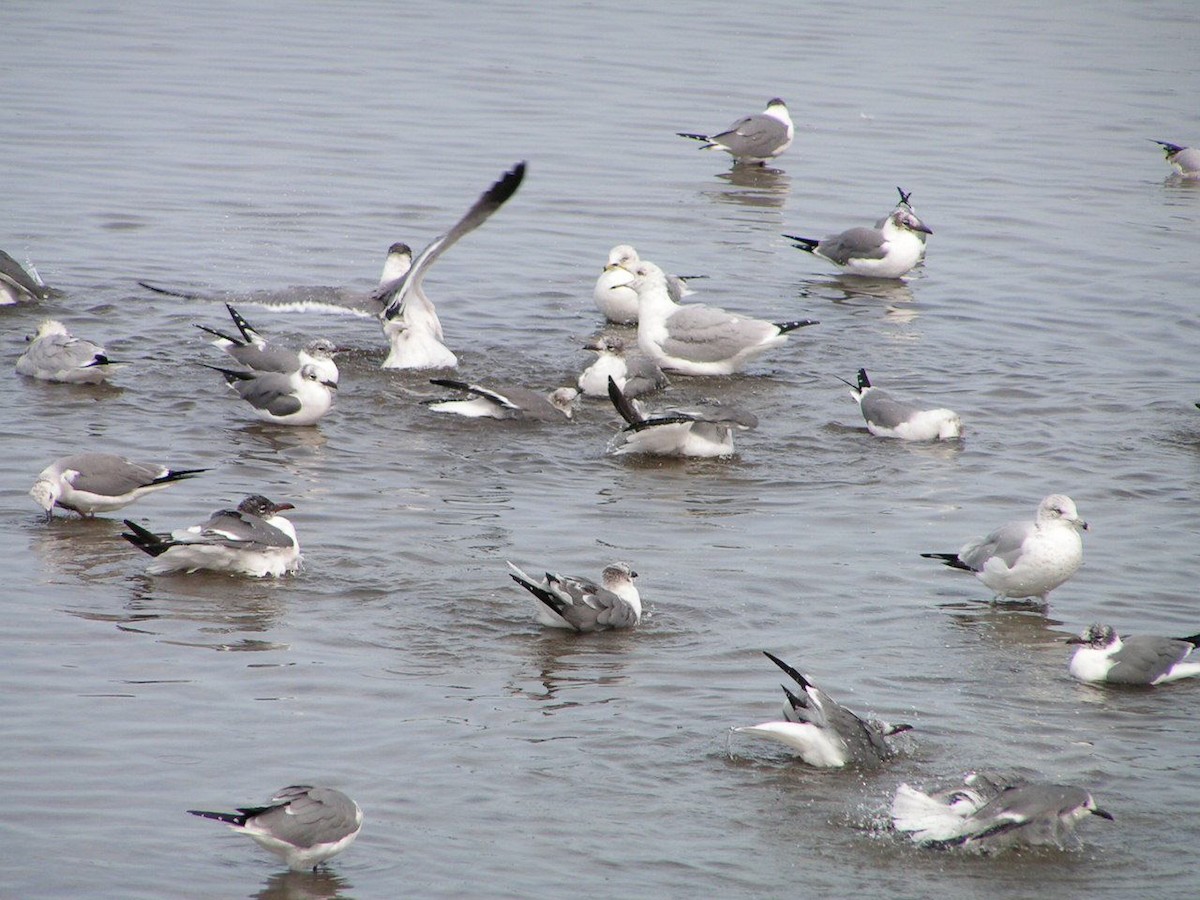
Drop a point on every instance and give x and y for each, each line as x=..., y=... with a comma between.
x=505, y=402
x=1026, y=559
x=54, y=355
x=694, y=339
x=1185, y=160
x=19, y=284
x=409, y=318
x=613, y=295
x=250, y=540
x=1105, y=656
x=752, y=139
x=299, y=398
x=890, y=251
x=89, y=483
x=305, y=825
x=252, y=350
x=580, y=604
x=704, y=430
x=890, y=418
x=634, y=373
x=823, y=732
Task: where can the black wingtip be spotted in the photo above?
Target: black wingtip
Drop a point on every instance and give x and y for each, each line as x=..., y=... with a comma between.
x=949, y=559
x=802, y=243
x=785, y=327
x=863, y=381
x=792, y=673
x=623, y=404
x=508, y=183
x=1194, y=640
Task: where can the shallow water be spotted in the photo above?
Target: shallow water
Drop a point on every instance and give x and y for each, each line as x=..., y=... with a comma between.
x=226, y=149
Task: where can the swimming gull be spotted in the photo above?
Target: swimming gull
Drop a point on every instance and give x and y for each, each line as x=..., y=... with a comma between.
x=19, y=284
x=1026, y=559
x=613, y=295
x=305, y=825
x=409, y=318
x=89, y=483
x=299, y=398
x=889, y=251
x=1185, y=160
x=693, y=339
x=823, y=732
x=890, y=418
x=634, y=372
x=1105, y=656
x=505, y=402
x=580, y=604
x=250, y=540
x=54, y=355
x=703, y=430
x=752, y=139
x=252, y=350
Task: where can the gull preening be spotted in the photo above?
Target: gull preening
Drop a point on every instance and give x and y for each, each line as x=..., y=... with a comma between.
x=88, y=483
x=298, y=398
x=409, y=318
x=19, y=284
x=252, y=350
x=253, y=539
x=1185, y=160
x=1106, y=657
x=54, y=355
x=505, y=402
x=990, y=820
x=612, y=293
x=634, y=372
x=580, y=604
x=888, y=417
x=890, y=251
x=823, y=732
x=693, y=339
x=752, y=139
x=1026, y=559
x=703, y=430
x=305, y=825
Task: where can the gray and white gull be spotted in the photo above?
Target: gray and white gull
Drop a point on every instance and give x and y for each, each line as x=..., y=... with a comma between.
x=612, y=293
x=890, y=251
x=1185, y=160
x=703, y=430
x=634, y=372
x=55, y=355
x=755, y=138
x=505, y=402
x=888, y=417
x=301, y=397
x=88, y=483
x=1107, y=657
x=580, y=604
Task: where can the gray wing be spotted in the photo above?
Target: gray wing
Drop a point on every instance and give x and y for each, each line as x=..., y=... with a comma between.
x=865, y=743
x=58, y=353
x=15, y=274
x=642, y=376
x=1005, y=543
x=272, y=391
x=714, y=413
x=756, y=135
x=592, y=606
x=235, y=529
x=1143, y=658
x=710, y=334
x=857, y=243
x=109, y=475
x=266, y=358
x=884, y=410
x=308, y=816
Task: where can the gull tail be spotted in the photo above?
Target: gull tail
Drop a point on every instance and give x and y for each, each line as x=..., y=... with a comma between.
x=238, y=818
x=949, y=559
x=177, y=475
x=785, y=327
x=145, y=540
x=101, y=359
x=167, y=292
x=556, y=604
x=803, y=243
x=697, y=137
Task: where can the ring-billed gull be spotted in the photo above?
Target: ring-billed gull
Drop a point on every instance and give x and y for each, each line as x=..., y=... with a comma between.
x=252, y=350
x=891, y=418
x=889, y=251
x=89, y=483
x=580, y=604
x=1026, y=559
x=704, y=429
x=1105, y=656
x=634, y=372
x=1185, y=160
x=505, y=402
x=752, y=139
x=299, y=398
x=613, y=295
x=305, y=825
x=54, y=355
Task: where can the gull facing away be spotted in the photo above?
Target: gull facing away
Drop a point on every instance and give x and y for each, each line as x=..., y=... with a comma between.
x=250, y=540
x=54, y=355
x=693, y=339
x=823, y=732
x=1105, y=656
x=613, y=295
x=705, y=430
x=1026, y=559
x=409, y=318
x=634, y=373
x=19, y=284
x=1029, y=814
x=753, y=139
x=252, y=350
x=305, y=825
x=299, y=398
x=89, y=483
x=889, y=251
x=580, y=604
x=890, y=418
x=1185, y=160
x=505, y=402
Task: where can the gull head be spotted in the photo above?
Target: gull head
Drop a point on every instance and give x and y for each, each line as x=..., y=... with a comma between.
x=606, y=343
x=904, y=218
x=622, y=256
x=46, y=328
x=322, y=348
x=397, y=263
x=45, y=492
x=1058, y=507
x=617, y=574
x=647, y=276
x=1097, y=637
x=563, y=399
x=309, y=372
x=258, y=505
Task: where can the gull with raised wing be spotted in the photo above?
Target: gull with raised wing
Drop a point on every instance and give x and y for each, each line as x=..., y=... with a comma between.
x=693, y=339
x=505, y=402
x=409, y=318
x=1026, y=559
x=580, y=604
x=704, y=430
x=635, y=373
x=890, y=251
x=252, y=350
x=752, y=139
x=1106, y=657
x=823, y=732
x=253, y=539
x=305, y=825
x=54, y=355
x=299, y=398
x=1185, y=160
x=891, y=418
x=19, y=284
x=88, y=483
x=613, y=295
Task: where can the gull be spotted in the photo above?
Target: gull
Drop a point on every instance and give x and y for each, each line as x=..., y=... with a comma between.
x=822, y=731
x=1105, y=656
x=305, y=825
x=580, y=604
x=888, y=417
x=1028, y=814
x=54, y=355
x=1026, y=559
x=705, y=430
x=613, y=295
x=693, y=339
x=1185, y=160
x=299, y=398
x=888, y=251
x=19, y=284
x=634, y=373
x=409, y=319
x=89, y=483
x=250, y=540
x=752, y=139
x=252, y=350
x=505, y=402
